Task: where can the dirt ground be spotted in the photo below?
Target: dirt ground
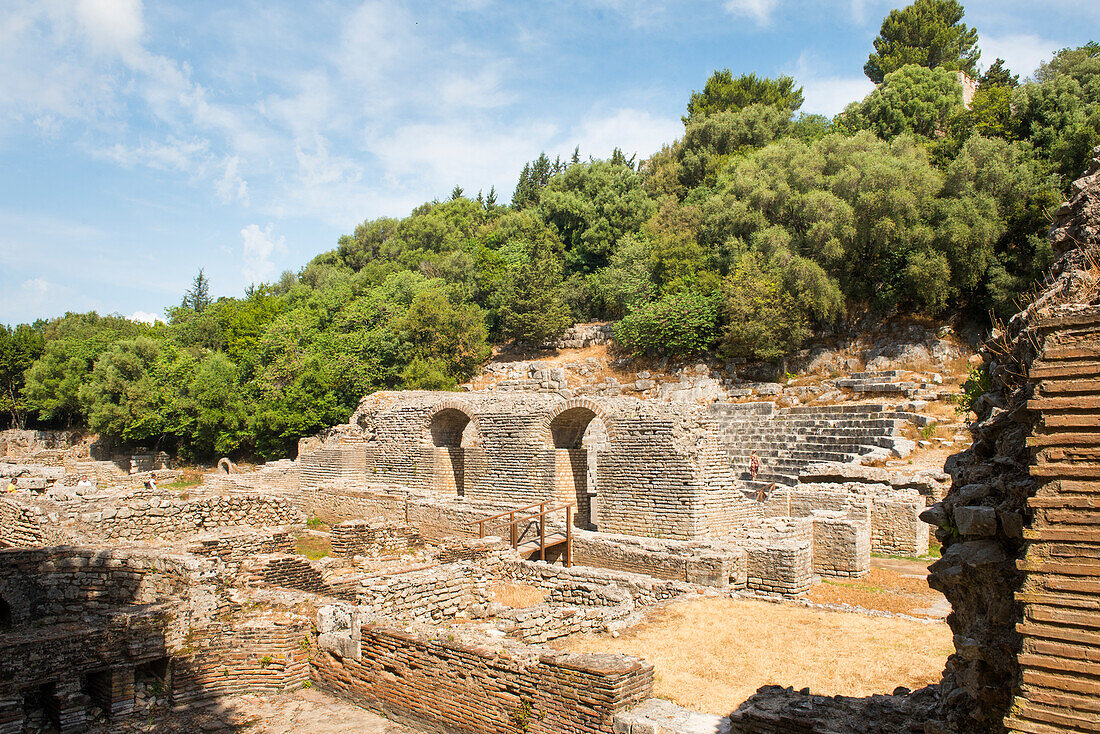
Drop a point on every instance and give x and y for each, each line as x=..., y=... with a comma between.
x=893, y=585
x=712, y=654
x=294, y=712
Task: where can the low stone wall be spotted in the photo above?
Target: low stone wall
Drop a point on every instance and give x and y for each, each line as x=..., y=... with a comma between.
x=842, y=547
x=451, y=686
x=231, y=550
x=779, y=556
x=721, y=565
x=159, y=517
x=433, y=594
x=335, y=504
x=372, y=538
x=896, y=527
x=585, y=586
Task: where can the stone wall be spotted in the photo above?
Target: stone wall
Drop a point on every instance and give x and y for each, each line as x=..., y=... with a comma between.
x=159, y=517
x=231, y=549
x=372, y=538
x=451, y=686
x=433, y=594
x=779, y=556
x=842, y=546
x=1018, y=526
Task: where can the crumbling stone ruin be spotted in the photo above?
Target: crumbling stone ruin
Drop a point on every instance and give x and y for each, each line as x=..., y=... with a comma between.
x=118, y=597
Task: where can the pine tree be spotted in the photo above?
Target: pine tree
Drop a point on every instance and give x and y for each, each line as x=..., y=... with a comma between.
x=197, y=298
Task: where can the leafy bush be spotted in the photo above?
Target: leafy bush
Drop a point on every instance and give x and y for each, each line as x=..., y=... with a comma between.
x=678, y=325
x=977, y=384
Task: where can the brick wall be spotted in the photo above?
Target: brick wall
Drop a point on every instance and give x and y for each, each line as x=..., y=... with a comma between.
x=443, y=685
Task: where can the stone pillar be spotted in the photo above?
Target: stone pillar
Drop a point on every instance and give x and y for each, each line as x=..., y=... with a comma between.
x=72, y=706
x=11, y=714
x=121, y=692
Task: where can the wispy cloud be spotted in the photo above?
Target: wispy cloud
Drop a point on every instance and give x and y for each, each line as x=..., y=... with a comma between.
x=1022, y=52
x=826, y=93
x=259, y=245
x=144, y=317
x=758, y=10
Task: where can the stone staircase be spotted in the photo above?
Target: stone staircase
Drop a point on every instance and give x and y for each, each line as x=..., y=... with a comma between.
x=887, y=382
x=791, y=439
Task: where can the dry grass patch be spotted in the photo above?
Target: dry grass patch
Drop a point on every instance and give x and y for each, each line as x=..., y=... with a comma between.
x=314, y=546
x=712, y=654
x=517, y=596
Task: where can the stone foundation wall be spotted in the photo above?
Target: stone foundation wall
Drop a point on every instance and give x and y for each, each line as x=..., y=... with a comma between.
x=161, y=517
x=372, y=538
x=585, y=586
x=261, y=654
x=230, y=551
x=779, y=556
x=709, y=564
x=896, y=527
x=434, y=594
x=450, y=686
x=842, y=547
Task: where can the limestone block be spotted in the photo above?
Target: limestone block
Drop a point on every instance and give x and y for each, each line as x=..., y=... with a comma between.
x=976, y=521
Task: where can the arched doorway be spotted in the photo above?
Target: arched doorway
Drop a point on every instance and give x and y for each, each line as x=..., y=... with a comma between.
x=578, y=434
x=5, y=615
x=449, y=460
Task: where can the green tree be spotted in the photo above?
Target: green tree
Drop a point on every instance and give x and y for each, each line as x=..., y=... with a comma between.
x=198, y=297
x=763, y=319
x=724, y=93
x=928, y=33
x=19, y=348
x=591, y=206
x=913, y=99
x=997, y=75
x=711, y=140
x=533, y=179
x=532, y=306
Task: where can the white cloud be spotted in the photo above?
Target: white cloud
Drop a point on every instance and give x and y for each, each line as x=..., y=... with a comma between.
x=36, y=287
x=189, y=156
x=144, y=317
x=1022, y=52
x=231, y=186
x=111, y=26
x=259, y=246
x=758, y=10
x=634, y=131
x=831, y=94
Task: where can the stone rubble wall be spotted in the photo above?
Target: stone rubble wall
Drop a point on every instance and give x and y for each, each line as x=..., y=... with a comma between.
x=443, y=685
x=708, y=563
x=372, y=538
x=158, y=517
x=580, y=336
x=434, y=594
x=19, y=526
x=582, y=586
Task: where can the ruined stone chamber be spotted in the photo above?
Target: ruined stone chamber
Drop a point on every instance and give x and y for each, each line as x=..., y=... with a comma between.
x=631, y=467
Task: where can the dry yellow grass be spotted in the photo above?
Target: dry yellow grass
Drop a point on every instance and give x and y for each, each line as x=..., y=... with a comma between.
x=712, y=654
x=517, y=596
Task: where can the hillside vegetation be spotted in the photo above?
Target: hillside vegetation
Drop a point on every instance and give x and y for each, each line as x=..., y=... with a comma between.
x=756, y=227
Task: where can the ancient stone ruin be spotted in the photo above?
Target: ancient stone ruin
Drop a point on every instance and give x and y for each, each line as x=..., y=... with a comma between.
x=118, y=597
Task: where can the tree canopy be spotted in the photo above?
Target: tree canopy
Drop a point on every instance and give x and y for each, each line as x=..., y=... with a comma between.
x=742, y=237
x=928, y=33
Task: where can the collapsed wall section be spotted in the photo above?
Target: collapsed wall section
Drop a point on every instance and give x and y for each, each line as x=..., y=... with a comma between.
x=445, y=685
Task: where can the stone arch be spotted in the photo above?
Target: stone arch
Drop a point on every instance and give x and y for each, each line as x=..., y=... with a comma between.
x=444, y=429
x=226, y=466
x=562, y=422
x=573, y=460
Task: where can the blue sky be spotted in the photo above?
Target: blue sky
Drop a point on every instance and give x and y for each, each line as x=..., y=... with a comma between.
x=140, y=142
